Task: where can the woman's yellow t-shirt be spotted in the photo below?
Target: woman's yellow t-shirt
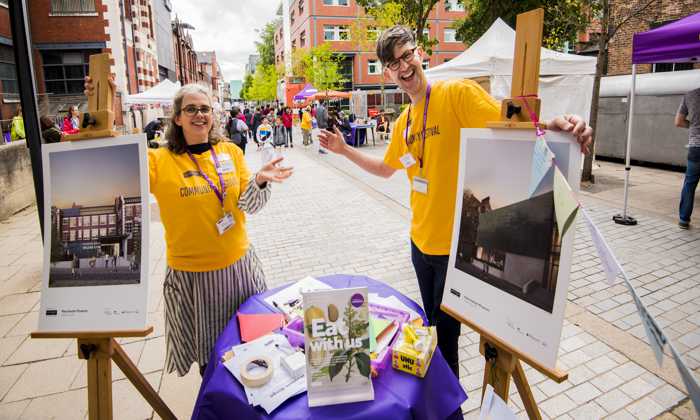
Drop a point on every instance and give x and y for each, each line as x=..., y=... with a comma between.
x=189, y=208
x=453, y=105
x=306, y=121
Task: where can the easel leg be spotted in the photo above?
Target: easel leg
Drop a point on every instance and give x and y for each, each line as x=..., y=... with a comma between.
x=140, y=383
x=99, y=367
x=526, y=393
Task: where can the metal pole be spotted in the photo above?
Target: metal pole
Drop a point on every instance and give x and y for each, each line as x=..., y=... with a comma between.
x=22, y=46
x=624, y=218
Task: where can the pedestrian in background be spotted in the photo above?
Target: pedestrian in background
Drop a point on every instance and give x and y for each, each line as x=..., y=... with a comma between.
x=71, y=122
x=49, y=132
x=688, y=116
x=321, y=122
x=287, y=122
x=306, y=126
x=17, y=128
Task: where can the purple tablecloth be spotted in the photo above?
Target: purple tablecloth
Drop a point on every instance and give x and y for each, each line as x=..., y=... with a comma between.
x=397, y=395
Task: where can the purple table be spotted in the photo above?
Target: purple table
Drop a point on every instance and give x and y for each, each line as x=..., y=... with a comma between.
x=397, y=395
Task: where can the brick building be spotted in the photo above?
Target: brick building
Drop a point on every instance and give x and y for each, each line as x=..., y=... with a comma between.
x=659, y=13
x=314, y=22
x=185, y=57
x=211, y=72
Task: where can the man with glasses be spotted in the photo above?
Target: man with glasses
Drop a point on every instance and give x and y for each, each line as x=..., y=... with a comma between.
x=425, y=143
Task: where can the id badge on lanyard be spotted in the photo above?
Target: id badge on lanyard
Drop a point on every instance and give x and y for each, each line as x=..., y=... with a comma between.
x=227, y=221
x=419, y=184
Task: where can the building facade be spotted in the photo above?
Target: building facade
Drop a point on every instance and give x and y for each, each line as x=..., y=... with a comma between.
x=211, y=72
x=9, y=89
x=657, y=14
x=186, y=66
x=314, y=22
x=235, y=87
x=164, y=45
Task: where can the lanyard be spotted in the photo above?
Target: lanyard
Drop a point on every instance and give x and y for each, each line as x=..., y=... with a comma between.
x=219, y=194
x=425, y=121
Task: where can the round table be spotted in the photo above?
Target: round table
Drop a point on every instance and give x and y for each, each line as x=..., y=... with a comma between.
x=397, y=395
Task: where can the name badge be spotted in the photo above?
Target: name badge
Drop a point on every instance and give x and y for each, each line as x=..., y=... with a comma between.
x=225, y=223
x=407, y=160
x=226, y=166
x=420, y=185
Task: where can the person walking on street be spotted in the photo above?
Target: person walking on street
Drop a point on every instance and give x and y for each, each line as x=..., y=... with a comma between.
x=288, y=122
x=17, y=128
x=306, y=126
x=322, y=122
x=688, y=116
x=425, y=143
x=237, y=129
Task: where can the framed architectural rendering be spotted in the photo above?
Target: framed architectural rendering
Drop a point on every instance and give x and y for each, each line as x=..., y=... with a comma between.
x=509, y=267
x=95, y=235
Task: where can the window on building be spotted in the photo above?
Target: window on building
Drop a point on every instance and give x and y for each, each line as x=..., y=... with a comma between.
x=72, y=235
x=302, y=38
x=335, y=2
x=291, y=17
x=336, y=33
x=112, y=219
x=64, y=71
x=72, y=7
x=86, y=234
x=301, y=7
x=72, y=221
x=86, y=221
x=94, y=233
x=79, y=235
x=426, y=33
x=450, y=35
x=103, y=232
x=373, y=33
x=454, y=6
x=294, y=43
x=664, y=67
x=425, y=64
x=8, y=77
x=95, y=220
x=374, y=67
x=112, y=231
x=150, y=22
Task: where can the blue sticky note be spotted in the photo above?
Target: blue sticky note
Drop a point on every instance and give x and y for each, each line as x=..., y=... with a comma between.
x=541, y=163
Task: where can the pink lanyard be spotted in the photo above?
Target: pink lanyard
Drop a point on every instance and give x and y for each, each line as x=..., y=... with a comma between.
x=219, y=194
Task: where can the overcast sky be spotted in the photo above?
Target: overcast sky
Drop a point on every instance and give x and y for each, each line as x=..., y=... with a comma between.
x=227, y=27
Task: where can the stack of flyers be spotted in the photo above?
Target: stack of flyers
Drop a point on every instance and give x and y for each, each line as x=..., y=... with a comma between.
x=288, y=300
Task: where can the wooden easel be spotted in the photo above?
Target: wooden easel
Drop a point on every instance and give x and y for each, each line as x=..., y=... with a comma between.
x=502, y=360
x=99, y=348
x=98, y=121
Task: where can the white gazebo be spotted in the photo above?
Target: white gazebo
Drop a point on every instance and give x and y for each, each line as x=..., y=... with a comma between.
x=566, y=80
x=162, y=93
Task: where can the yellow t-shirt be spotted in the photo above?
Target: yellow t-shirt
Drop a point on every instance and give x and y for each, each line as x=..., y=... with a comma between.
x=189, y=208
x=453, y=105
x=305, y=121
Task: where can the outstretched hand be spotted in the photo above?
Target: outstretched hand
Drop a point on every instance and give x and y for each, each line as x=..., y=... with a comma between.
x=575, y=125
x=272, y=172
x=332, y=140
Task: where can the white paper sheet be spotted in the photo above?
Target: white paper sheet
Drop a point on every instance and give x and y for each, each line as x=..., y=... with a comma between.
x=610, y=265
x=288, y=300
x=493, y=407
x=689, y=380
x=393, y=302
x=281, y=386
x=655, y=336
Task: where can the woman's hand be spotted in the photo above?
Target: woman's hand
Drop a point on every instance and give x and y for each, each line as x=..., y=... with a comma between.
x=271, y=172
x=575, y=125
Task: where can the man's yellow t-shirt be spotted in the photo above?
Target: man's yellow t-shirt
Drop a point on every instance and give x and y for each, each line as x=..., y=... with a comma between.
x=453, y=105
x=189, y=208
x=306, y=121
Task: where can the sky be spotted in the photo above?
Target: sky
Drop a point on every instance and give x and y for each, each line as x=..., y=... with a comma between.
x=227, y=27
x=95, y=176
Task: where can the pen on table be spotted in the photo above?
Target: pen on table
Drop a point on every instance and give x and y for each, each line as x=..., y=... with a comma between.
x=286, y=317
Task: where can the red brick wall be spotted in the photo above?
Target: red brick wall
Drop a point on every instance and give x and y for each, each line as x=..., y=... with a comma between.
x=620, y=47
x=5, y=22
x=47, y=28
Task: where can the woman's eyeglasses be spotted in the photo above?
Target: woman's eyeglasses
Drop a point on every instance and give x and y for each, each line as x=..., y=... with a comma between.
x=405, y=57
x=192, y=110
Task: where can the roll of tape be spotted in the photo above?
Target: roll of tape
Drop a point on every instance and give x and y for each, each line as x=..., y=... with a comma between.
x=258, y=379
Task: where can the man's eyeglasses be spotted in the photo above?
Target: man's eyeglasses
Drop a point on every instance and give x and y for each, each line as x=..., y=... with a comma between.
x=192, y=110
x=405, y=57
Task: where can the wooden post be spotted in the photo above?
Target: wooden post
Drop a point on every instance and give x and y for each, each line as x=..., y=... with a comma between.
x=99, y=348
x=98, y=121
x=502, y=360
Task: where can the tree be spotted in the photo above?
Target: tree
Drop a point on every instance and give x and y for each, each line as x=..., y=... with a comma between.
x=610, y=23
x=266, y=45
x=247, y=83
x=411, y=13
x=320, y=66
x=563, y=19
x=264, y=84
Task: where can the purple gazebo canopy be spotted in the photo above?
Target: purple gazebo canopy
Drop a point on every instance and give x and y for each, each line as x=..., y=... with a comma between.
x=676, y=42
x=306, y=92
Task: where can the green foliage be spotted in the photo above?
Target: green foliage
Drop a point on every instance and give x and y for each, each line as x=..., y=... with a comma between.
x=321, y=67
x=411, y=13
x=264, y=84
x=247, y=83
x=563, y=19
x=266, y=45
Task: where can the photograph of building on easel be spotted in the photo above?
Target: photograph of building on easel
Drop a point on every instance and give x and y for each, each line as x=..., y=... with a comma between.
x=96, y=220
x=515, y=247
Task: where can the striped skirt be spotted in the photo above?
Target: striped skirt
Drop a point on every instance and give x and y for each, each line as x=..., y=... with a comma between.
x=199, y=305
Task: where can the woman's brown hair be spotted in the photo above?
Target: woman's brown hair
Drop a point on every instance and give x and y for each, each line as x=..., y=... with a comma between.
x=174, y=134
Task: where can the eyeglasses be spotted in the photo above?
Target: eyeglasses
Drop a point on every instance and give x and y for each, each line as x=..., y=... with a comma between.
x=405, y=57
x=192, y=110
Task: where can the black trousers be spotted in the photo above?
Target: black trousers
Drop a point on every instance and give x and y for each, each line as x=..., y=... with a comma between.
x=431, y=271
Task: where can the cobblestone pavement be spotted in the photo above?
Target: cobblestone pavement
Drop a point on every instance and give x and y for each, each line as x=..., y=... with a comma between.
x=332, y=218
